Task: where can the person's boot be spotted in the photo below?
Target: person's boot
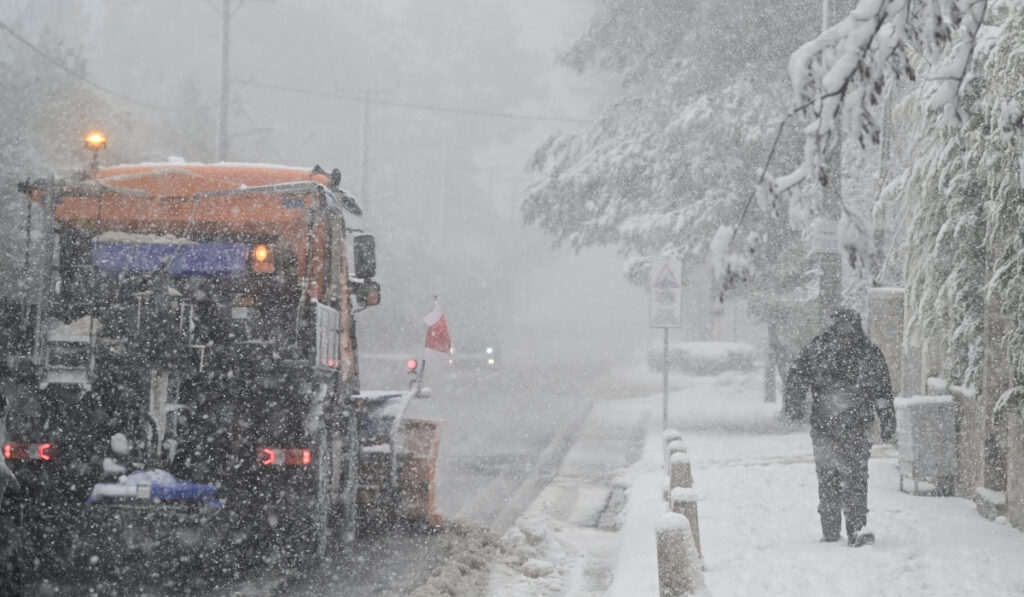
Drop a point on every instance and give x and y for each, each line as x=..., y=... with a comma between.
x=861, y=538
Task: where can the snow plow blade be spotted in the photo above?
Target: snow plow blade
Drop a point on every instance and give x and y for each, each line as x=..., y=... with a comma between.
x=420, y=442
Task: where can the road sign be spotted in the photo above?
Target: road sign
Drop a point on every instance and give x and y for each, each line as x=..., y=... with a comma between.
x=825, y=236
x=666, y=293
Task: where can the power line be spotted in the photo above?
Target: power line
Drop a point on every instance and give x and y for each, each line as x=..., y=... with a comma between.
x=429, y=107
x=60, y=64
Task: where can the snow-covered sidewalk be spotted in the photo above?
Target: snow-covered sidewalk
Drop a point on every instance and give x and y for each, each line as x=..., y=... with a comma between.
x=757, y=497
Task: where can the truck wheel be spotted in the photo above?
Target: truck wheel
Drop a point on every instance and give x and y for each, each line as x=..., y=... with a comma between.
x=10, y=570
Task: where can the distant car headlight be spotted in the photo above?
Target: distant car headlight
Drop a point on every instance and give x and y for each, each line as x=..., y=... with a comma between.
x=489, y=350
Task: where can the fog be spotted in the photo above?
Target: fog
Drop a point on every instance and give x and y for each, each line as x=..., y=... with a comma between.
x=431, y=111
x=204, y=390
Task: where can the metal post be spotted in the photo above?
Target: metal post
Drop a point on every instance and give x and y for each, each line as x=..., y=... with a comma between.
x=364, y=137
x=664, y=383
x=225, y=90
x=420, y=373
x=444, y=188
x=24, y=286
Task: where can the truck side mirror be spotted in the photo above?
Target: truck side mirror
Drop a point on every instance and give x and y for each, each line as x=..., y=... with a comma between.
x=364, y=251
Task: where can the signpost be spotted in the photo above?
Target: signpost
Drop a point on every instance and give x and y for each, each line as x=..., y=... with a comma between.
x=825, y=246
x=666, y=290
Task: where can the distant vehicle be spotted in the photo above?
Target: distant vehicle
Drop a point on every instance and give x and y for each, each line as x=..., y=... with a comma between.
x=474, y=355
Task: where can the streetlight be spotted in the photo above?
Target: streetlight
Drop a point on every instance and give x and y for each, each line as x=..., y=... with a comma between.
x=95, y=141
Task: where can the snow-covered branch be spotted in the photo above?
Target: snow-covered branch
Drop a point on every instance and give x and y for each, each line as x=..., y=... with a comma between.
x=841, y=74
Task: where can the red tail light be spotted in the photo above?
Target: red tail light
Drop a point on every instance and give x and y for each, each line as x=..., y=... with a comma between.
x=29, y=451
x=285, y=456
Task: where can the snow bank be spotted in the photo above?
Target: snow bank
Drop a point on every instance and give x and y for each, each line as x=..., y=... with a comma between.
x=534, y=560
x=911, y=401
x=466, y=566
x=703, y=358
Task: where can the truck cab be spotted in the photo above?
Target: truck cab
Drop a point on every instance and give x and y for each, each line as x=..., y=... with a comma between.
x=193, y=325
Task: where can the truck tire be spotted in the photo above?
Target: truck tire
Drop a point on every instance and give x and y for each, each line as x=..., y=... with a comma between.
x=10, y=569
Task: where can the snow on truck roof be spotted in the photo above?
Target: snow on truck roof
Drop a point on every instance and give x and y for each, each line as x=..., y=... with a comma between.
x=116, y=236
x=182, y=180
x=186, y=179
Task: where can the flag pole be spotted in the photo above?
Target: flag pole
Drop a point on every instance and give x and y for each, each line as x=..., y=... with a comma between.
x=423, y=361
x=419, y=376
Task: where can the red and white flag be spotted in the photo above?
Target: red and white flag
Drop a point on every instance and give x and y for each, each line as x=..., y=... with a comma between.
x=437, y=334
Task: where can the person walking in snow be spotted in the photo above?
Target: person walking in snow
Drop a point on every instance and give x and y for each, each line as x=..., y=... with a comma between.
x=848, y=379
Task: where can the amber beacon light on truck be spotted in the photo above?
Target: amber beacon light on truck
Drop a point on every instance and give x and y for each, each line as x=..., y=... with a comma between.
x=262, y=259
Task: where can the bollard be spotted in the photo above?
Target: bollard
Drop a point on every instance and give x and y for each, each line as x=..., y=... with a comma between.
x=684, y=501
x=671, y=434
x=676, y=445
x=679, y=570
x=667, y=437
x=679, y=471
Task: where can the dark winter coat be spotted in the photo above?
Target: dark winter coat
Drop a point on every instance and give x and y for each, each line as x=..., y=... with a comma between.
x=848, y=379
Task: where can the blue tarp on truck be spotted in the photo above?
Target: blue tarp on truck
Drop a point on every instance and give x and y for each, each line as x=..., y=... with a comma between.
x=181, y=259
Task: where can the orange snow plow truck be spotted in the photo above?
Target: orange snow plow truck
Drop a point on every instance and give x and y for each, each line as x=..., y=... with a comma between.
x=185, y=369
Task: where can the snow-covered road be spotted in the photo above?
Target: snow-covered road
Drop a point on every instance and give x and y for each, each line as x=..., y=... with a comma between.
x=505, y=435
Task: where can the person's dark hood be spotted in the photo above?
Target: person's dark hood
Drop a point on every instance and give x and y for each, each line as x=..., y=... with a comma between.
x=845, y=315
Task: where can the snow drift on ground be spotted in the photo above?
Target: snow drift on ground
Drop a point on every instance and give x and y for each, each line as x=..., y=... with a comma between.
x=757, y=499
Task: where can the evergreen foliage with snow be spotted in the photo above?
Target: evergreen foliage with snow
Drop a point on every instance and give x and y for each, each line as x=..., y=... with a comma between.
x=670, y=162
x=963, y=192
x=840, y=75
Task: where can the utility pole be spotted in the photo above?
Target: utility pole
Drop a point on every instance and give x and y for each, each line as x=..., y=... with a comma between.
x=225, y=82
x=364, y=139
x=444, y=191
x=827, y=247
x=225, y=76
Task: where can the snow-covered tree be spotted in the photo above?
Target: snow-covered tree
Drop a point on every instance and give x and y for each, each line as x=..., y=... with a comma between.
x=670, y=161
x=46, y=114
x=838, y=77
x=670, y=165
x=963, y=192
